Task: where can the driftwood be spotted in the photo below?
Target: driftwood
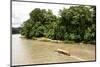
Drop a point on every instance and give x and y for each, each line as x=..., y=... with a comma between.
x=63, y=52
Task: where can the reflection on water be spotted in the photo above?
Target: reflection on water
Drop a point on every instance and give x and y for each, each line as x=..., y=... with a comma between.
x=25, y=51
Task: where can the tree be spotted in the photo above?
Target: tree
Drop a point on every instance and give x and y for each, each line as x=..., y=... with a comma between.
x=77, y=23
x=26, y=28
x=15, y=30
x=77, y=17
x=39, y=20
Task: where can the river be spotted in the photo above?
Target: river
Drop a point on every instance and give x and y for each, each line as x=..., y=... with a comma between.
x=26, y=51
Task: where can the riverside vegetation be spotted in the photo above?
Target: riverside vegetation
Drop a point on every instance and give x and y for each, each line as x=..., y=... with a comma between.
x=77, y=23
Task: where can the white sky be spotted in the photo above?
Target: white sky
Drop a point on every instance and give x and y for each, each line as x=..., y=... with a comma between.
x=21, y=10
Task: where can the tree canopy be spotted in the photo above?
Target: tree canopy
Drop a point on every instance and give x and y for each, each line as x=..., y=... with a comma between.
x=77, y=23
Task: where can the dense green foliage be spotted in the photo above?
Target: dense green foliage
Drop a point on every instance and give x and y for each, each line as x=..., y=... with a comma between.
x=77, y=23
x=16, y=30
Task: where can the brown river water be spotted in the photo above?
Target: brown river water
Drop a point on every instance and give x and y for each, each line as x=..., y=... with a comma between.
x=26, y=51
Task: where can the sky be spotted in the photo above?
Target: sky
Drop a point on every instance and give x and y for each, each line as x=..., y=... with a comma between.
x=21, y=10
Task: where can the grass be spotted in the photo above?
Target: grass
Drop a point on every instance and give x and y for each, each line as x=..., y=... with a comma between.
x=59, y=41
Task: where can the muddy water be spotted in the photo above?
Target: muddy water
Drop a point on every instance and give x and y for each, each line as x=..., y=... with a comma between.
x=25, y=51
